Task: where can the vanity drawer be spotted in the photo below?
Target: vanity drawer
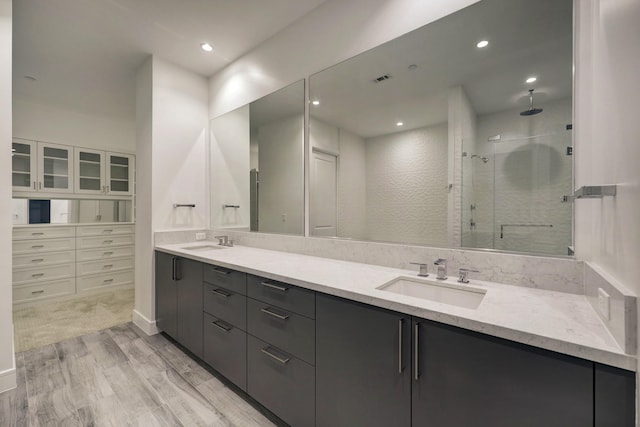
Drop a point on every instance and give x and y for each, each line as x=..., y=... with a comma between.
x=43, y=274
x=104, y=230
x=229, y=279
x=43, y=259
x=288, y=297
x=104, y=241
x=30, y=233
x=289, y=331
x=103, y=266
x=225, y=349
x=227, y=305
x=283, y=384
x=43, y=245
x=107, y=253
x=40, y=291
x=85, y=283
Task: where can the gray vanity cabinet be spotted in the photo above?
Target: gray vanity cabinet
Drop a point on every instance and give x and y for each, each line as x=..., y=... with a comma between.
x=363, y=365
x=179, y=300
x=467, y=378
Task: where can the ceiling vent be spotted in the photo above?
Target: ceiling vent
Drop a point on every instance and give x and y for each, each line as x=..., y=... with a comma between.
x=382, y=78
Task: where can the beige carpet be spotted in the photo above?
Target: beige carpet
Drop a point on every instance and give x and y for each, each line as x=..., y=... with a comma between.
x=55, y=322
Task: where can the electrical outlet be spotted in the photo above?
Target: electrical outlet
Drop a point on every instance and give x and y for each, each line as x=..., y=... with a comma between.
x=284, y=217
x=201, y=236
x=604, y=303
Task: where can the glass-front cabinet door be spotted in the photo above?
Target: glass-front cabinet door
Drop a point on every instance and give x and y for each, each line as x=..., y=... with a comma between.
x=23, y=165
x=55, y=168
x=90, y=171
x=119, y=173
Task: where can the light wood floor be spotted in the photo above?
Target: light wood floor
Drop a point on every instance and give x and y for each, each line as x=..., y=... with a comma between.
x=119, y=377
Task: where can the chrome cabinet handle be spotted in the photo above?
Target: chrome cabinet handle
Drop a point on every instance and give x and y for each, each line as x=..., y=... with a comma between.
x=38, y=292
x=221, y=293
x=107, y=231
x=107, y=241
x=37, y=260
x=400, y=325
x=37, y=234
x=35, y=185
x=107, y=253
x=37, y=275
x=221, y=325
x=173, y=268
x=219, y=271
x=416, y=340
x=37, y=246
x=108, y=266
x=266, y=310
x=39, y=185
x=274, y=357
x=274, y=286
x=107, y=281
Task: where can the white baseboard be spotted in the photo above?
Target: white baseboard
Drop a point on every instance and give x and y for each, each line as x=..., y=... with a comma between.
x=149, y=327
x=8, y=378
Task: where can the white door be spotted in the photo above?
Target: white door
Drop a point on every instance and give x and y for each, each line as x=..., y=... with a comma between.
x=323, y=194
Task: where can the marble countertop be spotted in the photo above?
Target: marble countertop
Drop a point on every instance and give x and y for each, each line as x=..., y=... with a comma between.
x=557, y=321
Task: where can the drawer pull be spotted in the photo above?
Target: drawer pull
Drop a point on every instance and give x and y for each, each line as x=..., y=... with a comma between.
x=37, y=275
x=274, y=286
x=107, y=231
x=108, y=266
x=221, y=293
x=274, y=314
x=37, y=260
x=107, y=253
x=274, y=357
x=41, y=291
x=107, y=241
x=221, y=325
x=37, y=246
x=37, y=234
x=219, y=271
x=107, y=281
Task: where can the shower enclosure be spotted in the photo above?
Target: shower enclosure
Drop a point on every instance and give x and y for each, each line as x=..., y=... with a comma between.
x=513, y=200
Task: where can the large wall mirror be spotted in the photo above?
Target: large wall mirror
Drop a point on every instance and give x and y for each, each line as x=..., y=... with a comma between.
x=75, y=211
x=456, y=134
x=257, y=164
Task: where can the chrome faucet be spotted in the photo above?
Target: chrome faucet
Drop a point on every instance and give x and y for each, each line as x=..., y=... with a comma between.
x=224, y=240
x=463, y=274
x=423, y=269
x=442, y=268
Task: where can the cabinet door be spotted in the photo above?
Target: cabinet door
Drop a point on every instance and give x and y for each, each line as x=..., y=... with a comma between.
x=55, y=168
x=23, y=165
x=363, y=365
x=89, y=169
x=465, y=378
x=119, y=173
x=189, y=283
x=166, y=295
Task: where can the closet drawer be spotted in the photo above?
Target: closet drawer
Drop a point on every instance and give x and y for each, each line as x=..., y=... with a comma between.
x=225, y=349
x=85, y=283
x=43, y=259
x=283, y=384
x=104, y=241
x=291, y=332
x=107, y=253
x=283, y=295
x=43, y=274
x=104, y=230
x=43, y=245
x=229, y=279
x=46, y=290
x=103, y=266
x=30, y=233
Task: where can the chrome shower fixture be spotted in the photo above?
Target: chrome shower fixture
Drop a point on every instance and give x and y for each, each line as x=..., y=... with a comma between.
x=531, y=111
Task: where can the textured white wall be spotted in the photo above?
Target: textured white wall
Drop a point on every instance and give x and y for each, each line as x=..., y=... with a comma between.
x=230, y=165
x=280, y=162
x=7, y=363
x=53, y=123
x=406, y=186
x=352, y=183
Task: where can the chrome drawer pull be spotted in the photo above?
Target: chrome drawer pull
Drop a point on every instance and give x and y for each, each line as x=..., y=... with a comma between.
x=274, y=314
x=108, y=266
x=400, y=367
x=107, y=281
x=225, y=272
x=37, y=260
x=37, y=246
x=416, y=355
x=37, y=234
x=37, y=275
x=221, y=293
x=274, y=357
x=107, y=231
x=274, y=286
x=222, y=326
x=38, y=292
x=107, y=241
x=107, y=253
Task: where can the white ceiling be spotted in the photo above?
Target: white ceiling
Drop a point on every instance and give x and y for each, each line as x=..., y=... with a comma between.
x=85, y=53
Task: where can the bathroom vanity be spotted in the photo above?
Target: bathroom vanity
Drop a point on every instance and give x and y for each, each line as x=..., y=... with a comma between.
x=322, y=342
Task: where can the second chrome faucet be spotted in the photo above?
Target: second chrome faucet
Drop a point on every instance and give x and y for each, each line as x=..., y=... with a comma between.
x=442, y=268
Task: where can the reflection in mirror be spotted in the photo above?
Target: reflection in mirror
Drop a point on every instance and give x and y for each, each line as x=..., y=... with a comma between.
x=421, y=140
x=77, y=211
x=257, y=164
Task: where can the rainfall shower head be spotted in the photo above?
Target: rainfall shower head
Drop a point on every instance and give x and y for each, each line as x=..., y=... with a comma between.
x=531, y=111
x=483, y=158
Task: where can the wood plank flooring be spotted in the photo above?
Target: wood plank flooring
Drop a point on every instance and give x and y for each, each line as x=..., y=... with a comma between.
x=120, y=377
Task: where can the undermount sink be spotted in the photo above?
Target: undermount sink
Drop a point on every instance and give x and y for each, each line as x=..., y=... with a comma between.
x=446, y=293
x=202, y=247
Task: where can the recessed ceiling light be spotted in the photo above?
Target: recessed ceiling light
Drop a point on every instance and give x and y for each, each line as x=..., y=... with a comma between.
x=316, y=102
x=531, y=79
x=206, y=47
x=482, y=43
x=399, y=124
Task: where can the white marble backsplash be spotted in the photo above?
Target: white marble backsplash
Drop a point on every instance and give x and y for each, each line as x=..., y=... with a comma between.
x=170, y=237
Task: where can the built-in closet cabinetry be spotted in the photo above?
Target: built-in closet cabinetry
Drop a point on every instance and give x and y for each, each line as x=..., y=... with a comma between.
x=41, y=167
x=103, y=172
x=58, y=261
